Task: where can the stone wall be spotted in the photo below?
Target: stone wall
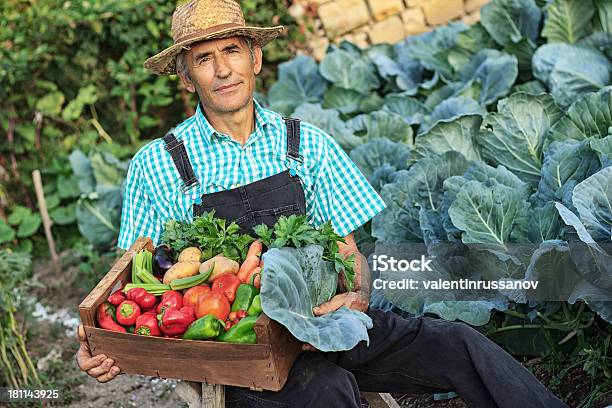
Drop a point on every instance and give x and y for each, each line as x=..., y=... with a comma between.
x=366, y=22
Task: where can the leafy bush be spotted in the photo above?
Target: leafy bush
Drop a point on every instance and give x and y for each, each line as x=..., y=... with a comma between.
x=17, y=368
x=71, y=78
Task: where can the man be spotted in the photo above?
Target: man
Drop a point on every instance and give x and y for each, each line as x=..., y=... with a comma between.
x=251, y=166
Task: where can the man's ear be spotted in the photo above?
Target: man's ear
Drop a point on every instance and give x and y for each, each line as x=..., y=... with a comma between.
x=186, y=82
x=258, y=59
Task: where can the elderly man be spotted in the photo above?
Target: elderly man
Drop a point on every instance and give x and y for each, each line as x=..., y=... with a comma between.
x=251, y=165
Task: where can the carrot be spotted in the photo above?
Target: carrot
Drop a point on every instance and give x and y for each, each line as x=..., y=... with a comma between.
x=250, y=263
x=257, y=273
x=257, y=281
x=255, y=249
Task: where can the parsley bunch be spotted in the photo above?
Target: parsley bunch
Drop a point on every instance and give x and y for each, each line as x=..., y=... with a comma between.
x=212, y=235
x=294, y=231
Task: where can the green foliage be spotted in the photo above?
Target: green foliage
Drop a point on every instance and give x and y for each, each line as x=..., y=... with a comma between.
x=72, y=78
x=16, y=368
x=213, y=235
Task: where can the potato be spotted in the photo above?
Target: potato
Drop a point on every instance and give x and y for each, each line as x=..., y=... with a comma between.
x=222, y=265
x=192, y=254
x=181, y=270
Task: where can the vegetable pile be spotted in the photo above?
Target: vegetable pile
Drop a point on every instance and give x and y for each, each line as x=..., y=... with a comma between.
x=494, y=139
x=203, y=282
x=188, y=298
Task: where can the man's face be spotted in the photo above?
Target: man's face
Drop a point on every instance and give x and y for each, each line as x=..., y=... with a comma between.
x=223, y=73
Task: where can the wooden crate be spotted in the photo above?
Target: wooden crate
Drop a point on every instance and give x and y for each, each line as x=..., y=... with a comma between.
x=261, y=366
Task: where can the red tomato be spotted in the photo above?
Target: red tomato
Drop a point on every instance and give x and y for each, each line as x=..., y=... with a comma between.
x=190, y=298
x=213, y=303
x=227, y=284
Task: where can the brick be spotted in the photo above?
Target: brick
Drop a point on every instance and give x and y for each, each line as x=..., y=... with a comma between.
x=414, y=3
x=318, y=46
x=471, y=18
x=296, y=11
x=341, y=16
x=390, y=31
x=382, y=9
x=472, y=5
x=442, y=11
x=414, y=21
x=361, y=39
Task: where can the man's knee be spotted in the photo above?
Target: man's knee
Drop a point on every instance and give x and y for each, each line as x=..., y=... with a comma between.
x=335, y=387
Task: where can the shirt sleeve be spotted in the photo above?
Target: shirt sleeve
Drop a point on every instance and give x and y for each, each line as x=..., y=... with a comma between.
x=138, y=215
x=342, y=193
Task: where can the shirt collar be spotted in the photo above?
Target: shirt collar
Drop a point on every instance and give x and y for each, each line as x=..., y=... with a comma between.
x=262, y=118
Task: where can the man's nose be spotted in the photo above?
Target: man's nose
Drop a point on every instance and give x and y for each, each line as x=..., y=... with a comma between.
x=222, y=69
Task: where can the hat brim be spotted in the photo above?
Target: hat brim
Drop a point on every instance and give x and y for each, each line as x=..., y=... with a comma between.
x=164, y=63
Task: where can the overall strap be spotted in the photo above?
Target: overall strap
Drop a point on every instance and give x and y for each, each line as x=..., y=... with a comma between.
x=177, y=150
x=293, y=139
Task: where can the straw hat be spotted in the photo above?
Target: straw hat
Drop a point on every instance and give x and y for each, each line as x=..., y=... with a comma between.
x=200, y=20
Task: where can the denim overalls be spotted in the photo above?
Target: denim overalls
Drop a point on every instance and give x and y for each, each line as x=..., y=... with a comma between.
x=261, y=202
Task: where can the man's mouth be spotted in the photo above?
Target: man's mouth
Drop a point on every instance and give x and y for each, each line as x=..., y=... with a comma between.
x=227, y=87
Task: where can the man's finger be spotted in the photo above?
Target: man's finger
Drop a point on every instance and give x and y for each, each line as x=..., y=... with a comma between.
x=328, y=307
x=81, y=333
x=110, y=375
x=83, y=340
x=86, y=362
x=101, y=369
x=309, y=347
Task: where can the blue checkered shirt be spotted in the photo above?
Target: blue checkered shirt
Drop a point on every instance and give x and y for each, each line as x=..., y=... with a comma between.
x=334, y=187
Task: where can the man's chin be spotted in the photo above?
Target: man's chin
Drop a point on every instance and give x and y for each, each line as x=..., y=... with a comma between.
x=231, y=106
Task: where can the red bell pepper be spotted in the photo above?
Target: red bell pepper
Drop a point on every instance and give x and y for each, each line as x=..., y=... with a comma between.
x=106, y=318
x=227, y=284
x=144, y=299
x=175, y=321
x=127, y=313
x=116, y=298
x=146, y=325
x=171, y=298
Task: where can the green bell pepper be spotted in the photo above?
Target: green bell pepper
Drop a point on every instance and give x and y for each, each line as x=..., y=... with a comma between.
x=205, y=327
x=244, y=296
x=241, y=332
x=255, y=307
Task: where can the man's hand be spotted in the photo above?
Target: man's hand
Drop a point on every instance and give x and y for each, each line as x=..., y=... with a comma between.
x=352, y=300
x=98, y=367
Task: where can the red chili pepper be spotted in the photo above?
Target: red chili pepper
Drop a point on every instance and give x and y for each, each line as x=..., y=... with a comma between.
x=171, y=298
x=116, y=298
x=144, y=299
x=146, y=325
x=127, y=313
x=106, y=318
x=227, y=284
x=175, y=321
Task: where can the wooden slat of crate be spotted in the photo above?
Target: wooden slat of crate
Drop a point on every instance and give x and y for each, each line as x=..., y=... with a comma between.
x=258, y=366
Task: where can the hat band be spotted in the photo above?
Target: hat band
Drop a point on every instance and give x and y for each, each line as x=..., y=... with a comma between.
x=208, y=31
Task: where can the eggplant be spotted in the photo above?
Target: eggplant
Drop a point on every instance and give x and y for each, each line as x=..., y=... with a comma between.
x=162, y=260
